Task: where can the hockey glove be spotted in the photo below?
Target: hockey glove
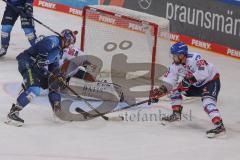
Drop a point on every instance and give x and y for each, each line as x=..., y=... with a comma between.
x=28, y=10
x=156, y=93
x=186, y=83
x=57, y=80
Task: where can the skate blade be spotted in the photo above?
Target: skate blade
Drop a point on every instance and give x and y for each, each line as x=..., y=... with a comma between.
x=220, y=135
x=13, y=122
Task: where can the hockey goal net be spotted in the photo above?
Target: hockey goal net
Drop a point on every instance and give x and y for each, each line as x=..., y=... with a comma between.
x=133, y=47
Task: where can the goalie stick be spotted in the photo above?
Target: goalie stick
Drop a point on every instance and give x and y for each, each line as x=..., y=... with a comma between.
x=139, y=103
x=90, y=106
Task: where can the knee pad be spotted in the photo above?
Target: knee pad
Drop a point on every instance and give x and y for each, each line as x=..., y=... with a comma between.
x=176, y=98
x=209, y=105
x=6, y=29
x=5, y=35
x=25, y=97
x=29, y=31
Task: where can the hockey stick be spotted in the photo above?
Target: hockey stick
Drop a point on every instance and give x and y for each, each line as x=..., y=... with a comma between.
x=132, y=105
x=144, y=101
x=23, y=13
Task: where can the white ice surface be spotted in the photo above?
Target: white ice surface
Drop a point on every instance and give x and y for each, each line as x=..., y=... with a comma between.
x=43, y=138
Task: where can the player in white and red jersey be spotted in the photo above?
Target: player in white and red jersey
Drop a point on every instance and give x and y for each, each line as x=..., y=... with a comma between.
x=191, y=75
x=82, y=63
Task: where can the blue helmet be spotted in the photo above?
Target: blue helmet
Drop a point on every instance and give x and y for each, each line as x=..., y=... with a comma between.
x=179, y=48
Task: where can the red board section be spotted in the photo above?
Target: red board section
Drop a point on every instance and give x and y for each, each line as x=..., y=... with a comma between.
x=224, y=50
x=58, y=7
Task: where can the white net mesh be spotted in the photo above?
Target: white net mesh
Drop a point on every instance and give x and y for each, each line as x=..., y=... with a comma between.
x=124, y=41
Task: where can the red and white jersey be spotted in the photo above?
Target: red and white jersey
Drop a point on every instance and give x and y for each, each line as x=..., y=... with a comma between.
x=70, y=53
x=196, y=66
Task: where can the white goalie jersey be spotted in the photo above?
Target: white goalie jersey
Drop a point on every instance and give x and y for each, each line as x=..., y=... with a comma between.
x=196, y=66
x=70, y=53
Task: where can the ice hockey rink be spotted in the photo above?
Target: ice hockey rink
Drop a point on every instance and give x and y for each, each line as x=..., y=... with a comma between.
x=44, y=138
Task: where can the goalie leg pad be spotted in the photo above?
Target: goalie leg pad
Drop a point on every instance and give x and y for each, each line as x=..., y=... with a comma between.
x=66, y=115
x=98, y=90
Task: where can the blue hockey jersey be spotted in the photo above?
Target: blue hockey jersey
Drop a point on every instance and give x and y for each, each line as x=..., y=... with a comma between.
x=19, y=2
x=48, y=50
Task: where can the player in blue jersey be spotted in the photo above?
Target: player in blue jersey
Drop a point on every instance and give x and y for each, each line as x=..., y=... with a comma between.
x=24, y=9
x=36, y=66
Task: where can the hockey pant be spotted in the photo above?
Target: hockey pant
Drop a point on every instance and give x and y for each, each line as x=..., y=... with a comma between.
x=208, y=93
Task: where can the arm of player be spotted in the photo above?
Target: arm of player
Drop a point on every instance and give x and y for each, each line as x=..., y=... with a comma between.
x=169, y=80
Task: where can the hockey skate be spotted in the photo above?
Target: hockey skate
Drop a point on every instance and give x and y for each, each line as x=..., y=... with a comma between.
x=13, y=117
x=3, y=51
x=175, y=116
x=56, y=107
x=216, y=132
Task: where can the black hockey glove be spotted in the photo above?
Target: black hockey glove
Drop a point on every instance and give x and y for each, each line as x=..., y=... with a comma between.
x=156, y=93
x=28, y=10
x=57, y=80
x=186, y=83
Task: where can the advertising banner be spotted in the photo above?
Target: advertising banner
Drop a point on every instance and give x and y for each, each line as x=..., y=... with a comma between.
x=209, y=24
x=68, y=6
x=75, y=3
x=207, y=20
x=235, y=2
